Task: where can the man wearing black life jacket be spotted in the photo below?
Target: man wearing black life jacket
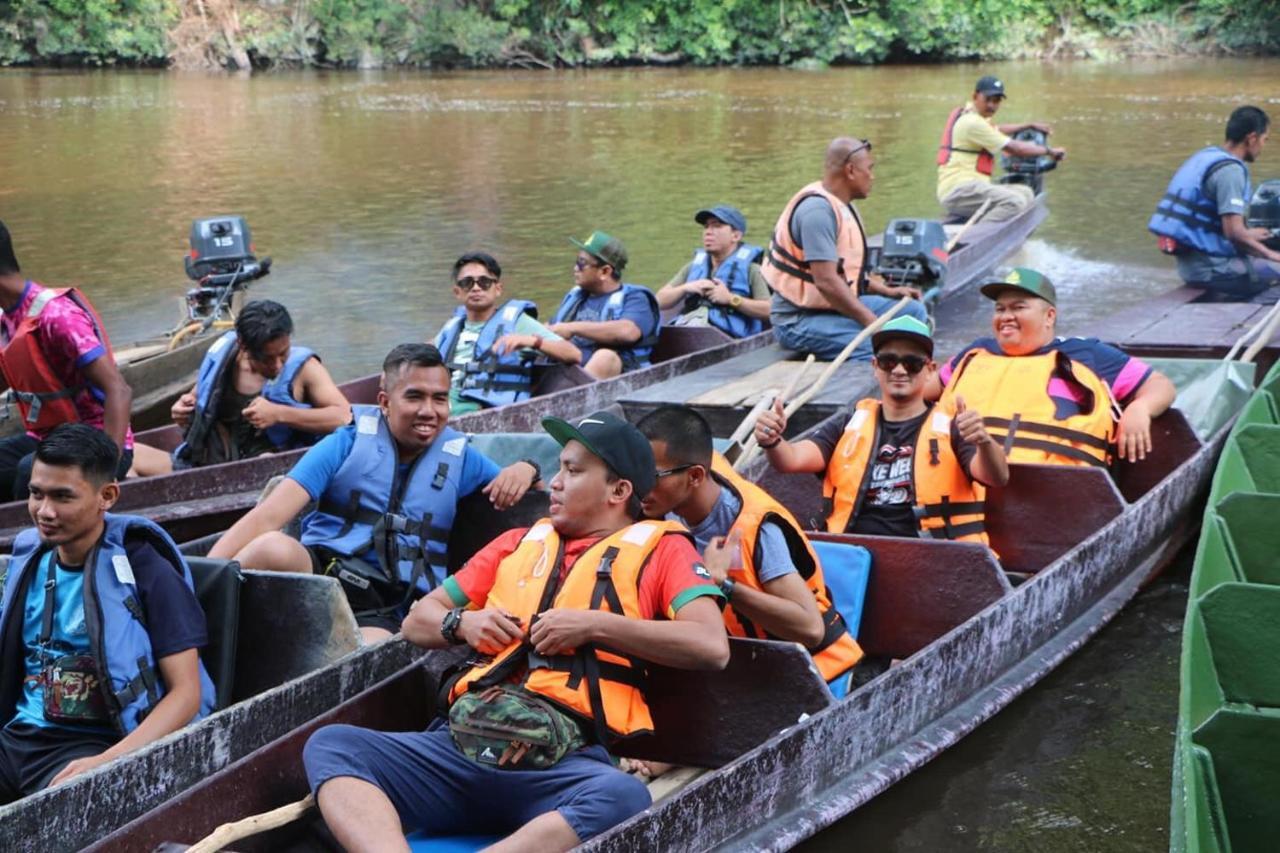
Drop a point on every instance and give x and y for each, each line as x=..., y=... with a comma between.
x=386, y=490
x=722, y=286
x=561, y=617
x=1046, y=399
x=488, y=348
x=613, y=323
x=776, y=591
x=967, y=157
x=899, y=466
x=1200, y=220
x=58, y=363
x=100, y=629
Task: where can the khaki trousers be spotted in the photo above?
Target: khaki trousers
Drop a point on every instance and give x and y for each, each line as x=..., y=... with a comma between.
x=1006, y=200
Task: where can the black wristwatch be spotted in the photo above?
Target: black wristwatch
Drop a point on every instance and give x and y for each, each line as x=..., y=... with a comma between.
x=537, y=471
x=449, y=626
x=726, y=588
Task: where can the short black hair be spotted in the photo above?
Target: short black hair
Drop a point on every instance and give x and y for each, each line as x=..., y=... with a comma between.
x=8, y=260
x=686, y=433
x=1244, y=121
x=83, y=447
x=405, y=356
x=261, y=322
x=486, y=260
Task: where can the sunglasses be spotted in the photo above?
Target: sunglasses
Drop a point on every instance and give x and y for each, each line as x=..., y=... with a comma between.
x=583, y=263
x=863, y=145
x=676, y=470
x=471, y=281
x=913, y=364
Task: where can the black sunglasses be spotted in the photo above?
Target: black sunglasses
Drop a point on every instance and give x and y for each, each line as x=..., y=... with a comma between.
x=863, y=145
x=676, y=470
x=471, y=281
x=913, y=364
x=583, y=263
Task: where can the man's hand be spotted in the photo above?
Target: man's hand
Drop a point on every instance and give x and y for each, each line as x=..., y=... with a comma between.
x=563, y=629
x=771, y=424
x=1134, y=440
x=1262, y=235
x=506, y=489
x=969, y=425
x=1058, y=154
x=723, y=554
x=262, y=413
x=489, y=631
x=183, y=409
x=564, y=330
x=699, y=286
x=511, y=343
x=80, y=765
x=718, y=294
x=1042, y=126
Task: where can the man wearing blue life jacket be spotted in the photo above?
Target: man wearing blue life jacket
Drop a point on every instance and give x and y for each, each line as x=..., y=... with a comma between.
x=1200, y=219
x=614, y=324
x=386, y=489
x=100, y=629
x=722, y=286
x=488, y=349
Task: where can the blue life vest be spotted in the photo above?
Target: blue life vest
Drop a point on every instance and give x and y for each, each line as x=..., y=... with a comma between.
x=1186, y=214
x=488, y=378
x=405, y=520
x=735, y=272
x=211, y=382
x=573, y=302
x=118, y=635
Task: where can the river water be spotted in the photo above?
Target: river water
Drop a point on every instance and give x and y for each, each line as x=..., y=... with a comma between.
x=364, y=187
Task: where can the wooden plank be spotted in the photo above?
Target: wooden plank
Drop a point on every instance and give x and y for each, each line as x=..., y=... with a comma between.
x=747, y=390
x=139, y=352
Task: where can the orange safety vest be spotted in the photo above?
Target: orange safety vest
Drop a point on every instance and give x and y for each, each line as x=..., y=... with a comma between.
x=948, y=504
x=838, y=651
x=986, y=162
x=593, y=682
x=1012, y=393
x=44, y=400
x=788, y=272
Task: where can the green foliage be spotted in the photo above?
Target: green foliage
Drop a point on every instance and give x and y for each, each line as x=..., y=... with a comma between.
x=92, y=32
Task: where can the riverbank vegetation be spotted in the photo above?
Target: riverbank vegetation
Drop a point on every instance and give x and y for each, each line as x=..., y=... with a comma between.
x=196, y=34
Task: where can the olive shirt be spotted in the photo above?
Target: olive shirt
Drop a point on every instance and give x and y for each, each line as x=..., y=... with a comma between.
x=698, y=315
x=975, y=133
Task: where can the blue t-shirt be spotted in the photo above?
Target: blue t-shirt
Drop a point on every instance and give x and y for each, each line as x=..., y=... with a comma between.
x=635, y=307
x=174, y=619
x=775, y=556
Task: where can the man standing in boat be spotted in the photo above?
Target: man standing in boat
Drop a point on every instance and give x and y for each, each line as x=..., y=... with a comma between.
x=775, y=589
x=967, y=156
x=723, y=285
x=1047, y=399
x=490, y=350
x=100, y=629
x=548, y=658
x=1201, y=218
x=386, y=488
x=816, y=264
x=614, y=324
x=57, y=360
x=899, y=466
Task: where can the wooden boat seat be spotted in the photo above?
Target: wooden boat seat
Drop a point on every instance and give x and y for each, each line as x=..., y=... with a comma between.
x=217, y=585
x=675, y=341
x=1250, y=557
x=1173, y=442
x=1251, y=463
x=1236, y=776
x=551, y=377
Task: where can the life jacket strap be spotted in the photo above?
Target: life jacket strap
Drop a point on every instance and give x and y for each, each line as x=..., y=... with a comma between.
x=1059, y=449
x=949, y=509
x=954, y=531
x=144, y=683
x=1036, y=428
x=833, y=628
x=35, y=400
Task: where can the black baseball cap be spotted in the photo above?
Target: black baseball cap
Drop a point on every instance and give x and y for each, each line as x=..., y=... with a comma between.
x=618, y=444
x=990, y=85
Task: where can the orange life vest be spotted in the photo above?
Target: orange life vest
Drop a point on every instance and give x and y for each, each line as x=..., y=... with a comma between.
x=1012, y=393
x=986, y=161
x=838, y=651
x=42, y=397
x=593, y=682
x=948, y=504
x=788, y=272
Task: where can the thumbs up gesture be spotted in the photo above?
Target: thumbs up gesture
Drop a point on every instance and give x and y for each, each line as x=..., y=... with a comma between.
x=969, y=424
x=770, y=425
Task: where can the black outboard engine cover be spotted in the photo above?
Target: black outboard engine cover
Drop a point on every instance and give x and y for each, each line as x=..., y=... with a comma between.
x=914, y=252
x=1027, y=170
x=221, y=261
x=1264, y=211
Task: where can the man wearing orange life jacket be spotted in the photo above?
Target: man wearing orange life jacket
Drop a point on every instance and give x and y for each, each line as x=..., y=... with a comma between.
x=899, y=467
x=816, y=262
x=776, y=590
x=531, y=604
x=967, y=156
x=1047, y=399
x=58, y=363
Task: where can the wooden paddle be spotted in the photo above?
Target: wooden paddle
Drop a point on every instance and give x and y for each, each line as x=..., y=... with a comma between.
x=741, y=439
x=1251, y=332
x=1272, y=321
x=969, y=224
x=253, y=825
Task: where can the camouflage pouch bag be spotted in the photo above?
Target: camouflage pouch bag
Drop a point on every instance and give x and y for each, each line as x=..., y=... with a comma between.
x=72, y=692
x=512, y=729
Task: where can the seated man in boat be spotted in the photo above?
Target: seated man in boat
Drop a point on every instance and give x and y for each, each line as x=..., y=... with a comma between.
x=775, y=589
x=1047, y=399
x=930, y=463
x=967, y=156
x=816, y=264
x=58, y=362
x=74, y=697
x=723, y=285
x=490, y=350
x=532, y=607
x=615, y=325
x=1201, y=218
x=256, y=393
x=386, y=488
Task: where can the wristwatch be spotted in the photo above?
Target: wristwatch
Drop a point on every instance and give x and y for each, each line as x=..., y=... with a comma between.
x=537, y=471
x=726, y=588
x=449, y=626
x=735, y=301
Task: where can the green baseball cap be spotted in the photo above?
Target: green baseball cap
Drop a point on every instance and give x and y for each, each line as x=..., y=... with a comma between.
x=1024, y=279
x=906, y=328
x=604, y=248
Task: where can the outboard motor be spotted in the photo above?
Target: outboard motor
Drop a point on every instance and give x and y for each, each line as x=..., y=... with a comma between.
x=913, y=253
x=1264, y=211
x=222, y=262
x=1028, y=170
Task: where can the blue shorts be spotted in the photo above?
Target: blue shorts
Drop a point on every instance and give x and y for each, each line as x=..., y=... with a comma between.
x=826, y=333
x=438, y=790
